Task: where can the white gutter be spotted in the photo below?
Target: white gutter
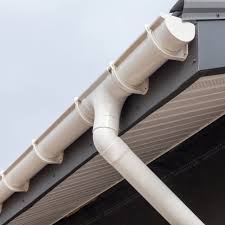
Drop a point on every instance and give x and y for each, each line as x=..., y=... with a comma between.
x=100, y=106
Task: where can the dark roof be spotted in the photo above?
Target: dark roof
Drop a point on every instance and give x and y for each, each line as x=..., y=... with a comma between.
x=199, y=9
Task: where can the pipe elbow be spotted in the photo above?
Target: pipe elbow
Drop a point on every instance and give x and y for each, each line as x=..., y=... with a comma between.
x=111, y=147
x=103, y=138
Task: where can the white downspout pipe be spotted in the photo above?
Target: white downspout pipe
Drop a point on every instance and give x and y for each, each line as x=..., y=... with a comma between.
x=120, y=156
x=167, y=38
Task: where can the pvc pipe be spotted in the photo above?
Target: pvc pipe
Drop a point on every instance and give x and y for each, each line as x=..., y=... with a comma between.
x=119, y=155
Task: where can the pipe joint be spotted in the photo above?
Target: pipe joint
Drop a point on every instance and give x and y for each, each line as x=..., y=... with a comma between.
x=107, y=101
x=109, y=145
x=107, y=116
x=107, y=111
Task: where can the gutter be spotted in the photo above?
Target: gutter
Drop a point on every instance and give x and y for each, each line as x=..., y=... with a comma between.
x=100, y=106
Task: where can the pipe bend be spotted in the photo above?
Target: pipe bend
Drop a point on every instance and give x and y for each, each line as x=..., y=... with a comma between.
x=111, y=147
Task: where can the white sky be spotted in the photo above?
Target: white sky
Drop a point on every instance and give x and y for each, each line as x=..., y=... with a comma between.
x=51, y=50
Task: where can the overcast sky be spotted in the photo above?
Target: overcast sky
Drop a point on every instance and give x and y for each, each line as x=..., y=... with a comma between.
x=51, y=50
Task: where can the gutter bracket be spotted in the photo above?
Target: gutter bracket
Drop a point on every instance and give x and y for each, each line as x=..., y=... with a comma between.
x=85, y=115
x=56, y=160
x=142, y=89
x=23, y=188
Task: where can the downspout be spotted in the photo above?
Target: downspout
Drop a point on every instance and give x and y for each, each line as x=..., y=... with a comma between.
x=166, y=39
x=100, y=106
